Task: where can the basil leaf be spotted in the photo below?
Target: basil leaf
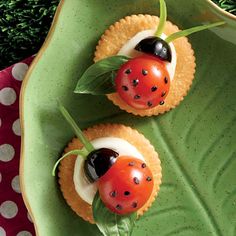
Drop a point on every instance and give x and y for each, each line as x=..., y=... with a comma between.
x=99, y=77
x=111, y=224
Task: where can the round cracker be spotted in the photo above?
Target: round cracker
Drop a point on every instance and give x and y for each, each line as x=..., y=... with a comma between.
x=119, y=33
x=66, y=168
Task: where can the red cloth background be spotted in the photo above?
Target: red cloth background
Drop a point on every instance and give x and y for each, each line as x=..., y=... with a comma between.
x=14, y=218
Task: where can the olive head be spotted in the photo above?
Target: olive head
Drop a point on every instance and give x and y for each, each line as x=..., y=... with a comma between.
x=98, y=162
x=155, y=46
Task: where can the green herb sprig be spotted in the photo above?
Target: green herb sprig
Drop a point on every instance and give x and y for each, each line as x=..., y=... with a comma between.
x=184, y=33
x=23, y=28
x=163, y=17
x=99, y=77
x=227, y=5
x=109, y=223
x=83, y=153
x=88, y=147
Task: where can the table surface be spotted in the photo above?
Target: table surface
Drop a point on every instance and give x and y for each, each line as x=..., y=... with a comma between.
x=14, y=218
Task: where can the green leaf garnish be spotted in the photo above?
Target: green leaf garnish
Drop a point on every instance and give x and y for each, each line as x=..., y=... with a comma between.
x=99, y=78
x=88, y=146
x=81, y=152
x=111, y=224
x=187, y=32
x=163, y=17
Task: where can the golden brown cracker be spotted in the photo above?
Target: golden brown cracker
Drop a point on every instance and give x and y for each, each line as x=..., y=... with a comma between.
x=123, y=30
x=66, y=169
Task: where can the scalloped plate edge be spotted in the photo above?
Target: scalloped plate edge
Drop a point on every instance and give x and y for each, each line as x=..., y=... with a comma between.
x=21, y=108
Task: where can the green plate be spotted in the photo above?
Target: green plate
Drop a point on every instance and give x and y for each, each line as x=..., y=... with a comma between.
x=196, y=141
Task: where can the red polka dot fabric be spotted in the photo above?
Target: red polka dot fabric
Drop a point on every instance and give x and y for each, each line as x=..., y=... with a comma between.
x=14, y=218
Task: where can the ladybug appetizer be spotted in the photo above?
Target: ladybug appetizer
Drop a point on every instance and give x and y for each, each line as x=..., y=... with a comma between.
x=144, y=70
x=109, y=173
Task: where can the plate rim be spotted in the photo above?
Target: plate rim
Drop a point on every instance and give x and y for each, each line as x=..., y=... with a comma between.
x=221, y=11
x=21, y=109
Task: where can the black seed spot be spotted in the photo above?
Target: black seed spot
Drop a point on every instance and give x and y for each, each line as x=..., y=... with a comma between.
x=128, y=71
x=131, y=163
x=136, y=180
x=154, y=88
x=135, y=82
x=166, y=80
x=163, y=94
x=118, y=207
x=125, y=88
x=113, y=194
x=144, y=165
x=126, y=193
x=137, y=97
x=144, y=72
x=134, y=204
x=162, y=102
x=149, y=179
x=149, y=104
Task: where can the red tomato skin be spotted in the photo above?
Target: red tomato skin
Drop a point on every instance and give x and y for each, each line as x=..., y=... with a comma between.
x=120, y=191
x=152, y=82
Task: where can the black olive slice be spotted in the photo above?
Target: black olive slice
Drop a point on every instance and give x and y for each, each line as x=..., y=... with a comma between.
x=98, y=162
x=155, y=46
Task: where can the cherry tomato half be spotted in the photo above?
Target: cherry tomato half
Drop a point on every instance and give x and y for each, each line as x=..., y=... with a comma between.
x=143, y=82
x=126, y=186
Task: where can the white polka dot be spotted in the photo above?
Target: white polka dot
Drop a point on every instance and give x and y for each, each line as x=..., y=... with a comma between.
x=0, y=177
x=24, y=233
x=15, y=184
x=19, y=70
x=29, y=217
x=8, y=209
x=7, y=152
x=7, y=96
x=2, y=232
x=16, y=127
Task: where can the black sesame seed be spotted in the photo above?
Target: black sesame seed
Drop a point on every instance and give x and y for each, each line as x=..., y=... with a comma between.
x=154, y=88
x=126, y=193
x=137, y=96
x=125, y=88
x=135, y=82
x=149, y=104
x=144, y=72
x=144, y=165
x=162, y=102
x=163, y=94
x=131, y=163
x=166, y=80
x=118, y=207
x=136, y=180
x=134, y=204
x=128, y=71
x=149, y=179
x=113, y=194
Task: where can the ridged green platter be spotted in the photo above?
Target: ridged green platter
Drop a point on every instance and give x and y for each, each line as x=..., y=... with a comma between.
x=196, y=141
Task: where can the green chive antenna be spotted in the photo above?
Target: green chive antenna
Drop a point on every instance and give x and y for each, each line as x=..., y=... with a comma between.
x=88, y=146
x=163, y=16
x=187, y=32
x=83, y=153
